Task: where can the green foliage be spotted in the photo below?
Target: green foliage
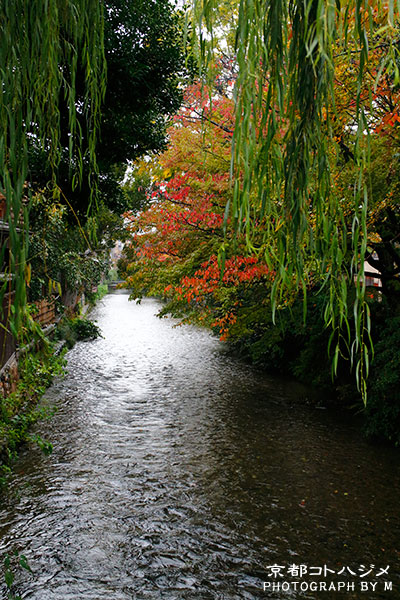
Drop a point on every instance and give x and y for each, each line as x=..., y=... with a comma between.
x=286, y=147
x=112, y=275
x=94, y=297
x=144, y=52
x=12, y=563
x=137, y=189
x=291, y=347
x=61, y=258
x=18, y=411
x=383, y=408
x=36, y=38
x=85, y=329
x=383, y=211
x=77, y=329
x=45, y=446
x=287, y=346
x=143, y=44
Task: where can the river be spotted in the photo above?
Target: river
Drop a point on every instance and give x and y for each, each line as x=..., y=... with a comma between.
x=179, y=472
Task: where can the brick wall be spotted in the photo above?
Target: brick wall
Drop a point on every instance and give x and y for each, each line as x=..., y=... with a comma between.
x=46, y=312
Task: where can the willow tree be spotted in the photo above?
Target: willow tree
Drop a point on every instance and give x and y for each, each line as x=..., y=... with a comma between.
x=43, y=45
x=285, y=145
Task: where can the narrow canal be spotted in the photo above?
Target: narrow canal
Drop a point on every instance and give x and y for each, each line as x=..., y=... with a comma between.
x=178, y=472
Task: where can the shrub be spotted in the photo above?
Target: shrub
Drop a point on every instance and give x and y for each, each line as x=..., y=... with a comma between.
x=383, y=407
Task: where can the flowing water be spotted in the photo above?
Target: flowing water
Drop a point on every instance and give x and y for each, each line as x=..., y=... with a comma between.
x=179, y=472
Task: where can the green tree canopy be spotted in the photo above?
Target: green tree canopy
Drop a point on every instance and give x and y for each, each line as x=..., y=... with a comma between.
x=43, y=47
x=144, y=54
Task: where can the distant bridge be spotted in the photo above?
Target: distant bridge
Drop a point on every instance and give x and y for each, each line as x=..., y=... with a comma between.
x=112, y=285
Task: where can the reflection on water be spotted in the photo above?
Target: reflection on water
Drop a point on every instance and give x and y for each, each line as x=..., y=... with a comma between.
x=178, y=472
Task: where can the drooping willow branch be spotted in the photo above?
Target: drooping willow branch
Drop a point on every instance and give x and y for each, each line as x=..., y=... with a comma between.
x=284, y=146
x=43, y=47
